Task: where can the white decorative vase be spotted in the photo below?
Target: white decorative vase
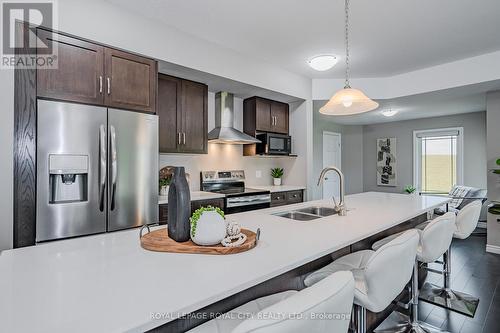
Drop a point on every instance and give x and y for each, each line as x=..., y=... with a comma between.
x=277, y=181
x=210, y=229
x=164, y=190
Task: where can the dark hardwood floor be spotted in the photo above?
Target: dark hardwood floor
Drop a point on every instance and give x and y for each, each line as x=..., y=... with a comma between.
x=475, y=272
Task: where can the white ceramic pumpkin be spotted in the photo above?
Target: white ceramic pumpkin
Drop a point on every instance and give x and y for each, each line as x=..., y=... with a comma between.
x=209, y=229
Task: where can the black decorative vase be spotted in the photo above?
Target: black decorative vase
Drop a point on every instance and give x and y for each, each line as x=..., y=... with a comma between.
x=179, y=207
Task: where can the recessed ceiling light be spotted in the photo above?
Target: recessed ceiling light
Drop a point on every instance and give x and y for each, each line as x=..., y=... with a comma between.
x=322, y=62
x=390, y=112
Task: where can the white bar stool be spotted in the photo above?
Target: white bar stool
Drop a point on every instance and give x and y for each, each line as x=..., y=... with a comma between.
x=466, y=222
x=325, y=307
x=435, y=239
x=379, y=275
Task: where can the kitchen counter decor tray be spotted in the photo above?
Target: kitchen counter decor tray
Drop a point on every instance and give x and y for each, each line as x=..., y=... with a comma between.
x=159, y=241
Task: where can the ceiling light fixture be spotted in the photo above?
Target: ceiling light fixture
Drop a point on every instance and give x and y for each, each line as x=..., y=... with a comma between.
x=322, y=62
x=390, y=112
x=348, y=101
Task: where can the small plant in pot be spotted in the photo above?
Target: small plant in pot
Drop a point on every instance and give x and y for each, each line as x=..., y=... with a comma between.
x=497, y=171
x=410, y=189
x=164, y=184
x=277, y=174
x=208, y=226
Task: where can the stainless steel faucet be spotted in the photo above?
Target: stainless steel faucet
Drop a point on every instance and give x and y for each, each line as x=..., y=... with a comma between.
x=340, y=207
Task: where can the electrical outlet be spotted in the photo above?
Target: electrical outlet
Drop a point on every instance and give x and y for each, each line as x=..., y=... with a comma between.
x=258, y=174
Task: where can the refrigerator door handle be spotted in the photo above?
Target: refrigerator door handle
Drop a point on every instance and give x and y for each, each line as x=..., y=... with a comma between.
x=102, y=166
x=112, y=134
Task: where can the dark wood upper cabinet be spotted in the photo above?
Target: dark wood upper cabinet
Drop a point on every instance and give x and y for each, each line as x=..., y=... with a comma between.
x=130, y=81
x=183, y=112
x=169, y=103
x=80, y=70
x=264, y=115
x=93, y=74
x=263, y=120
x=195, y=114
x=279, y=117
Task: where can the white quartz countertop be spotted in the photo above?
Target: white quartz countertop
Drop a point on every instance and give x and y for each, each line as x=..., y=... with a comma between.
x=281, y=188
x=108, y=283
x=195, y=195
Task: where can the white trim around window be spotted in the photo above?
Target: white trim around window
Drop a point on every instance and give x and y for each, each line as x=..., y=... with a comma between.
x=417, y=152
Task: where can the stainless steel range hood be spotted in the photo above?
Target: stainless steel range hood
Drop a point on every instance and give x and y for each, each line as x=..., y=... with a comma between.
x=224, y=131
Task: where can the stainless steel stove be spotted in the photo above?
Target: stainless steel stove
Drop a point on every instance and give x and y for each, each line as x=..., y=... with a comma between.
x=238, y=198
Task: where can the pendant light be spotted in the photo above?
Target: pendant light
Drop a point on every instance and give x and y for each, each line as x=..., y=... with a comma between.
x=348, y=101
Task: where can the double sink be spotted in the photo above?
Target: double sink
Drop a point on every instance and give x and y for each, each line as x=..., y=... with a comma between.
x=308, y=213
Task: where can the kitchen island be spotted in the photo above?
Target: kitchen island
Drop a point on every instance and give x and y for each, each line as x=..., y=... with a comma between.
x=108, y=283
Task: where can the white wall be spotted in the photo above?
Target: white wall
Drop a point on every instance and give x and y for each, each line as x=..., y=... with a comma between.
x=474, y=125
x=230, y=157
x=493, y=153
x=352, y=152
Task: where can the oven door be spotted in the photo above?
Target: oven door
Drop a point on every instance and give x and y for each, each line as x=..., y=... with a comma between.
x=247, y=203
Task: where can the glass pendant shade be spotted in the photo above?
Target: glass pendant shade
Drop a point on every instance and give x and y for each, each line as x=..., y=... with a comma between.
x=348, y=101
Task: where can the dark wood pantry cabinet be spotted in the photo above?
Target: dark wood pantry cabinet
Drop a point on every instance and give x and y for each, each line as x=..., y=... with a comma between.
x=264, y=115
x=90, y=73
x=183, y=113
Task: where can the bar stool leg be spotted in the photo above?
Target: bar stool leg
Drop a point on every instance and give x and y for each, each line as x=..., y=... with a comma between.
x=400, y=323
x=360, y=318
x=446, y=297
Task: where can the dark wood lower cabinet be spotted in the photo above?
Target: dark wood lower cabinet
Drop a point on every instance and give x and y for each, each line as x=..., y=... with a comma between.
x=163, y=209
x=286, y=198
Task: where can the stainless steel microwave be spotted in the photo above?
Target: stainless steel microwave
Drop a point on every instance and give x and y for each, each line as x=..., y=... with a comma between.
x=274, y=144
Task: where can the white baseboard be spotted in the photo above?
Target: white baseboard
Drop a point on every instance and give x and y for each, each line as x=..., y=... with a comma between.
x=481, y=225
x=493, y=249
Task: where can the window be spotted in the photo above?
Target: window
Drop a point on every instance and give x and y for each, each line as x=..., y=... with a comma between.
x=438, y=159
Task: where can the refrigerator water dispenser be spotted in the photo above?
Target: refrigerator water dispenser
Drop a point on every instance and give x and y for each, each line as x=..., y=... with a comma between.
x=68, y=178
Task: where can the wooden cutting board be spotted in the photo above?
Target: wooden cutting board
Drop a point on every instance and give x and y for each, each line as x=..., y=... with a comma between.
x=159, y=241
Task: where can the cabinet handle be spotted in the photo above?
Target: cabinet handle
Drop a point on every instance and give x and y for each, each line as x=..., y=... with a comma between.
x=184, y=137
x=109, y=85
x=273, y=121
x=100, y=84
x=179, y=138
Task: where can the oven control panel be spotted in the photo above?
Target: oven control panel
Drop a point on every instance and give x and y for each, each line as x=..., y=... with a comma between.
x=221, y=176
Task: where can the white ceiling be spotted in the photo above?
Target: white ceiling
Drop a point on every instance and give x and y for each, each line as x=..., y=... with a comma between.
x=471, y=98
x=217, y=83
x=388, y=37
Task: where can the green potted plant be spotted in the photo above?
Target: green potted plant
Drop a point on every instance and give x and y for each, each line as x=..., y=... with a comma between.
x=164, y=186
x=277, y=174
x=410, y=189
x=208, y=226
x=497, y=171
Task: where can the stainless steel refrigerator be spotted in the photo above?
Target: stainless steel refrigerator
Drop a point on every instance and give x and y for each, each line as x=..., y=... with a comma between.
x=96, y=170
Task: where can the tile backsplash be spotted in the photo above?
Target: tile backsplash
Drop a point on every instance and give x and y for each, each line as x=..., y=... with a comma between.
x=228, y=157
